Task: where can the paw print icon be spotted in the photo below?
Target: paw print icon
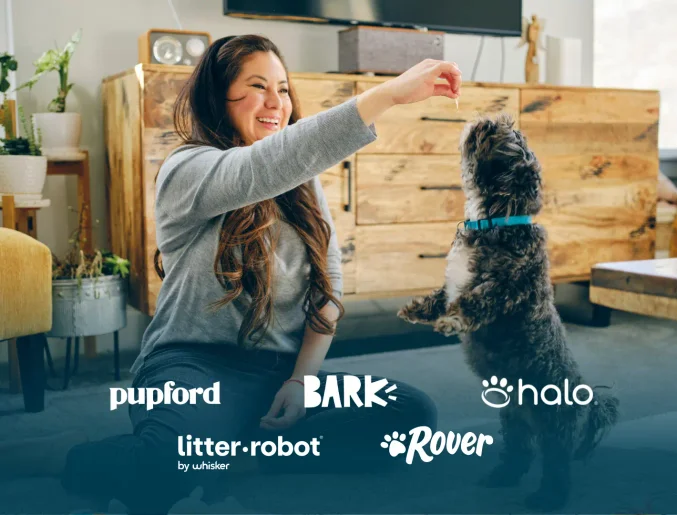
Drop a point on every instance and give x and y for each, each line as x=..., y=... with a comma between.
x=394, y=443
x=501, y=388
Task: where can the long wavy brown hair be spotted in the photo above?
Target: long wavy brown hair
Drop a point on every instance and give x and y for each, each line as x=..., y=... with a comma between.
x=201, y=118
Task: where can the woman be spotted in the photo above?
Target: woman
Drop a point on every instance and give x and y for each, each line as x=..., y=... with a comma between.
x=251, y=277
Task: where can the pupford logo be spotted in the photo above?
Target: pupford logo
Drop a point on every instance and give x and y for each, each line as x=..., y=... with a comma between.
x=151, y=397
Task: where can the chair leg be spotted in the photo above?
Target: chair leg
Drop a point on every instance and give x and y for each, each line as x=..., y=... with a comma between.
x=31, y=353
x=66, y=372
x=76, y=356
x=50, y=363
x=116, y=354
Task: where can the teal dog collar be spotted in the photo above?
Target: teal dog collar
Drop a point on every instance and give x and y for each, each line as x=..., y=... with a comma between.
x=488, y=223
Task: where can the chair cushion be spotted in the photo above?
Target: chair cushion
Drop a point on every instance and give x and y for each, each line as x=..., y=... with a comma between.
x=25, y=285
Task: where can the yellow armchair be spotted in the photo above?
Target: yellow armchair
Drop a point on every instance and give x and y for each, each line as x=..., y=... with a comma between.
x=26, y=308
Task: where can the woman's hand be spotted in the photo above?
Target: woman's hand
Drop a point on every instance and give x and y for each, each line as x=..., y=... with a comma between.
x=418, y=83
x=289, y=400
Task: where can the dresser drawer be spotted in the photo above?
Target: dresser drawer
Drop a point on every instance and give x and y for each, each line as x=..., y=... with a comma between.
x=319, y=95
x=403, y=256
x=434, y=125
x=396, y=189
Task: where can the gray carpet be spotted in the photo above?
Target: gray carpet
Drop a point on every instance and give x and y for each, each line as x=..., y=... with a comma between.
x=632, y=472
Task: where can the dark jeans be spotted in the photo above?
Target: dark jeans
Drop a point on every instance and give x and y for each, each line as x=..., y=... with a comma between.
x=141, y=469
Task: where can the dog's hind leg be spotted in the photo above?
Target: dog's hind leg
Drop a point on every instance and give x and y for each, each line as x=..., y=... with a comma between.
x=425, y=309
x=553, y=492
x=517, y=452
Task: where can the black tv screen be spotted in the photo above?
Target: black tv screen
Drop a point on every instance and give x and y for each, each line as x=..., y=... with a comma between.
x=493, y=17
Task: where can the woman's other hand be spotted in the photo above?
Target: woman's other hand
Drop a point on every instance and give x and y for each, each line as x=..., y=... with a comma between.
x=667, y=191
x=418, y=83
x=288, y=403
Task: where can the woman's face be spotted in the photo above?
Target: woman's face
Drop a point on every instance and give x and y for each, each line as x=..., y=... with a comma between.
x=265, y=105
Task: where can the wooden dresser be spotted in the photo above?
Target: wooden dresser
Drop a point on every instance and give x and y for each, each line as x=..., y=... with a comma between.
x=397, y=202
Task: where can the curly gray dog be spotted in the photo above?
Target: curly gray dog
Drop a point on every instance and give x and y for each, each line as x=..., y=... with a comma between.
x=499, y=298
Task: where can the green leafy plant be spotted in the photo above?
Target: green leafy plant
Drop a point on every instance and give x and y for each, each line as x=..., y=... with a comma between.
x=20, y=145
x=78, y=264
x=7, y=64
x=55, y=60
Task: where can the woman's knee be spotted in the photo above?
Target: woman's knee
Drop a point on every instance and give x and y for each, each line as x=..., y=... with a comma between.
x=415, y=406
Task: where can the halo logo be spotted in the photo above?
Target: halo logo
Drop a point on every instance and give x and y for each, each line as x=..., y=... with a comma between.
x=503, y=390
x=351, y=392
x=500, y=390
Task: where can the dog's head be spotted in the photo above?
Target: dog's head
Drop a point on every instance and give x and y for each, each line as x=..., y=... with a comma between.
x=501, y=176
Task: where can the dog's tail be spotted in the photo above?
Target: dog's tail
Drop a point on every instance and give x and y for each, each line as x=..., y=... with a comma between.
x=601, y=417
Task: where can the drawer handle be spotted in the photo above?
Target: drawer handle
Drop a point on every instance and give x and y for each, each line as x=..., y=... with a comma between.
x=432, y=256
x=348, y=166
x=450, y=187
x=433, y=119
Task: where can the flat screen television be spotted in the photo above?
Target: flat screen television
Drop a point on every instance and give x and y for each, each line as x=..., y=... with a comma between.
x=491, y=17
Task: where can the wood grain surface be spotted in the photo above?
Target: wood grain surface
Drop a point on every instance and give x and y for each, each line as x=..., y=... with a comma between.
x=123, y=126
x=433, y=126
x=394, y=257
x=405, y=189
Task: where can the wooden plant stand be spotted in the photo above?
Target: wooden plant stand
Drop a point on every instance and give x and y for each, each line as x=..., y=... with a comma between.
x=22, y=216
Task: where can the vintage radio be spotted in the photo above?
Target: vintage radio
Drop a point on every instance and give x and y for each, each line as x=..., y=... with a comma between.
x=173, y=47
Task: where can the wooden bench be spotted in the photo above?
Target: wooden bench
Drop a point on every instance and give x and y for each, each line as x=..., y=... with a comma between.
x=644, y=287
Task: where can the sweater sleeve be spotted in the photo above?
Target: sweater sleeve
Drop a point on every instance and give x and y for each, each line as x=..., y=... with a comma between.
x=198, y=183
x=334, y=267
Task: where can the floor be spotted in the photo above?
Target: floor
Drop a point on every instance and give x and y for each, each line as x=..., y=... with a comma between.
x=632, y=472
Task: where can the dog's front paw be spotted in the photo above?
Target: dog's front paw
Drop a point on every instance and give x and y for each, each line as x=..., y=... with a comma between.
x=450, y=325
x=405, y=314
x=416, y=311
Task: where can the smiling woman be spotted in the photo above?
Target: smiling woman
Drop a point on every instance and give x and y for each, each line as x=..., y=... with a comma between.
x=252, y=279
x=258, y=100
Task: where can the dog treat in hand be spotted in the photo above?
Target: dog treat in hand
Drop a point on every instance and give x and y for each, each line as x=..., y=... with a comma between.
x=456, y=103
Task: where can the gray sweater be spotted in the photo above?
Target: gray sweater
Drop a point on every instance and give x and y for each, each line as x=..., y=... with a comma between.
x=198, y=185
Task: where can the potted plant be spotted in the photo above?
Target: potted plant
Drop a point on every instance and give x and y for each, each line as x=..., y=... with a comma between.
x=7, y=64
x=61, y=131
x=88, y=290
x=23, y=168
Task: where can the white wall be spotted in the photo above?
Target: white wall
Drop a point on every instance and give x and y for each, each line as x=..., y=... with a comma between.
x=109, y=45
x=635, y=47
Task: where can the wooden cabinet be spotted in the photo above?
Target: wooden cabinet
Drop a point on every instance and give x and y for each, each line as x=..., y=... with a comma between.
x=397, y=202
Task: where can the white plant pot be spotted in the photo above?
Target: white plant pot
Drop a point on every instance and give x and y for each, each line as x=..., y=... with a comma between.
x=60, y=133
x=23, y=176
